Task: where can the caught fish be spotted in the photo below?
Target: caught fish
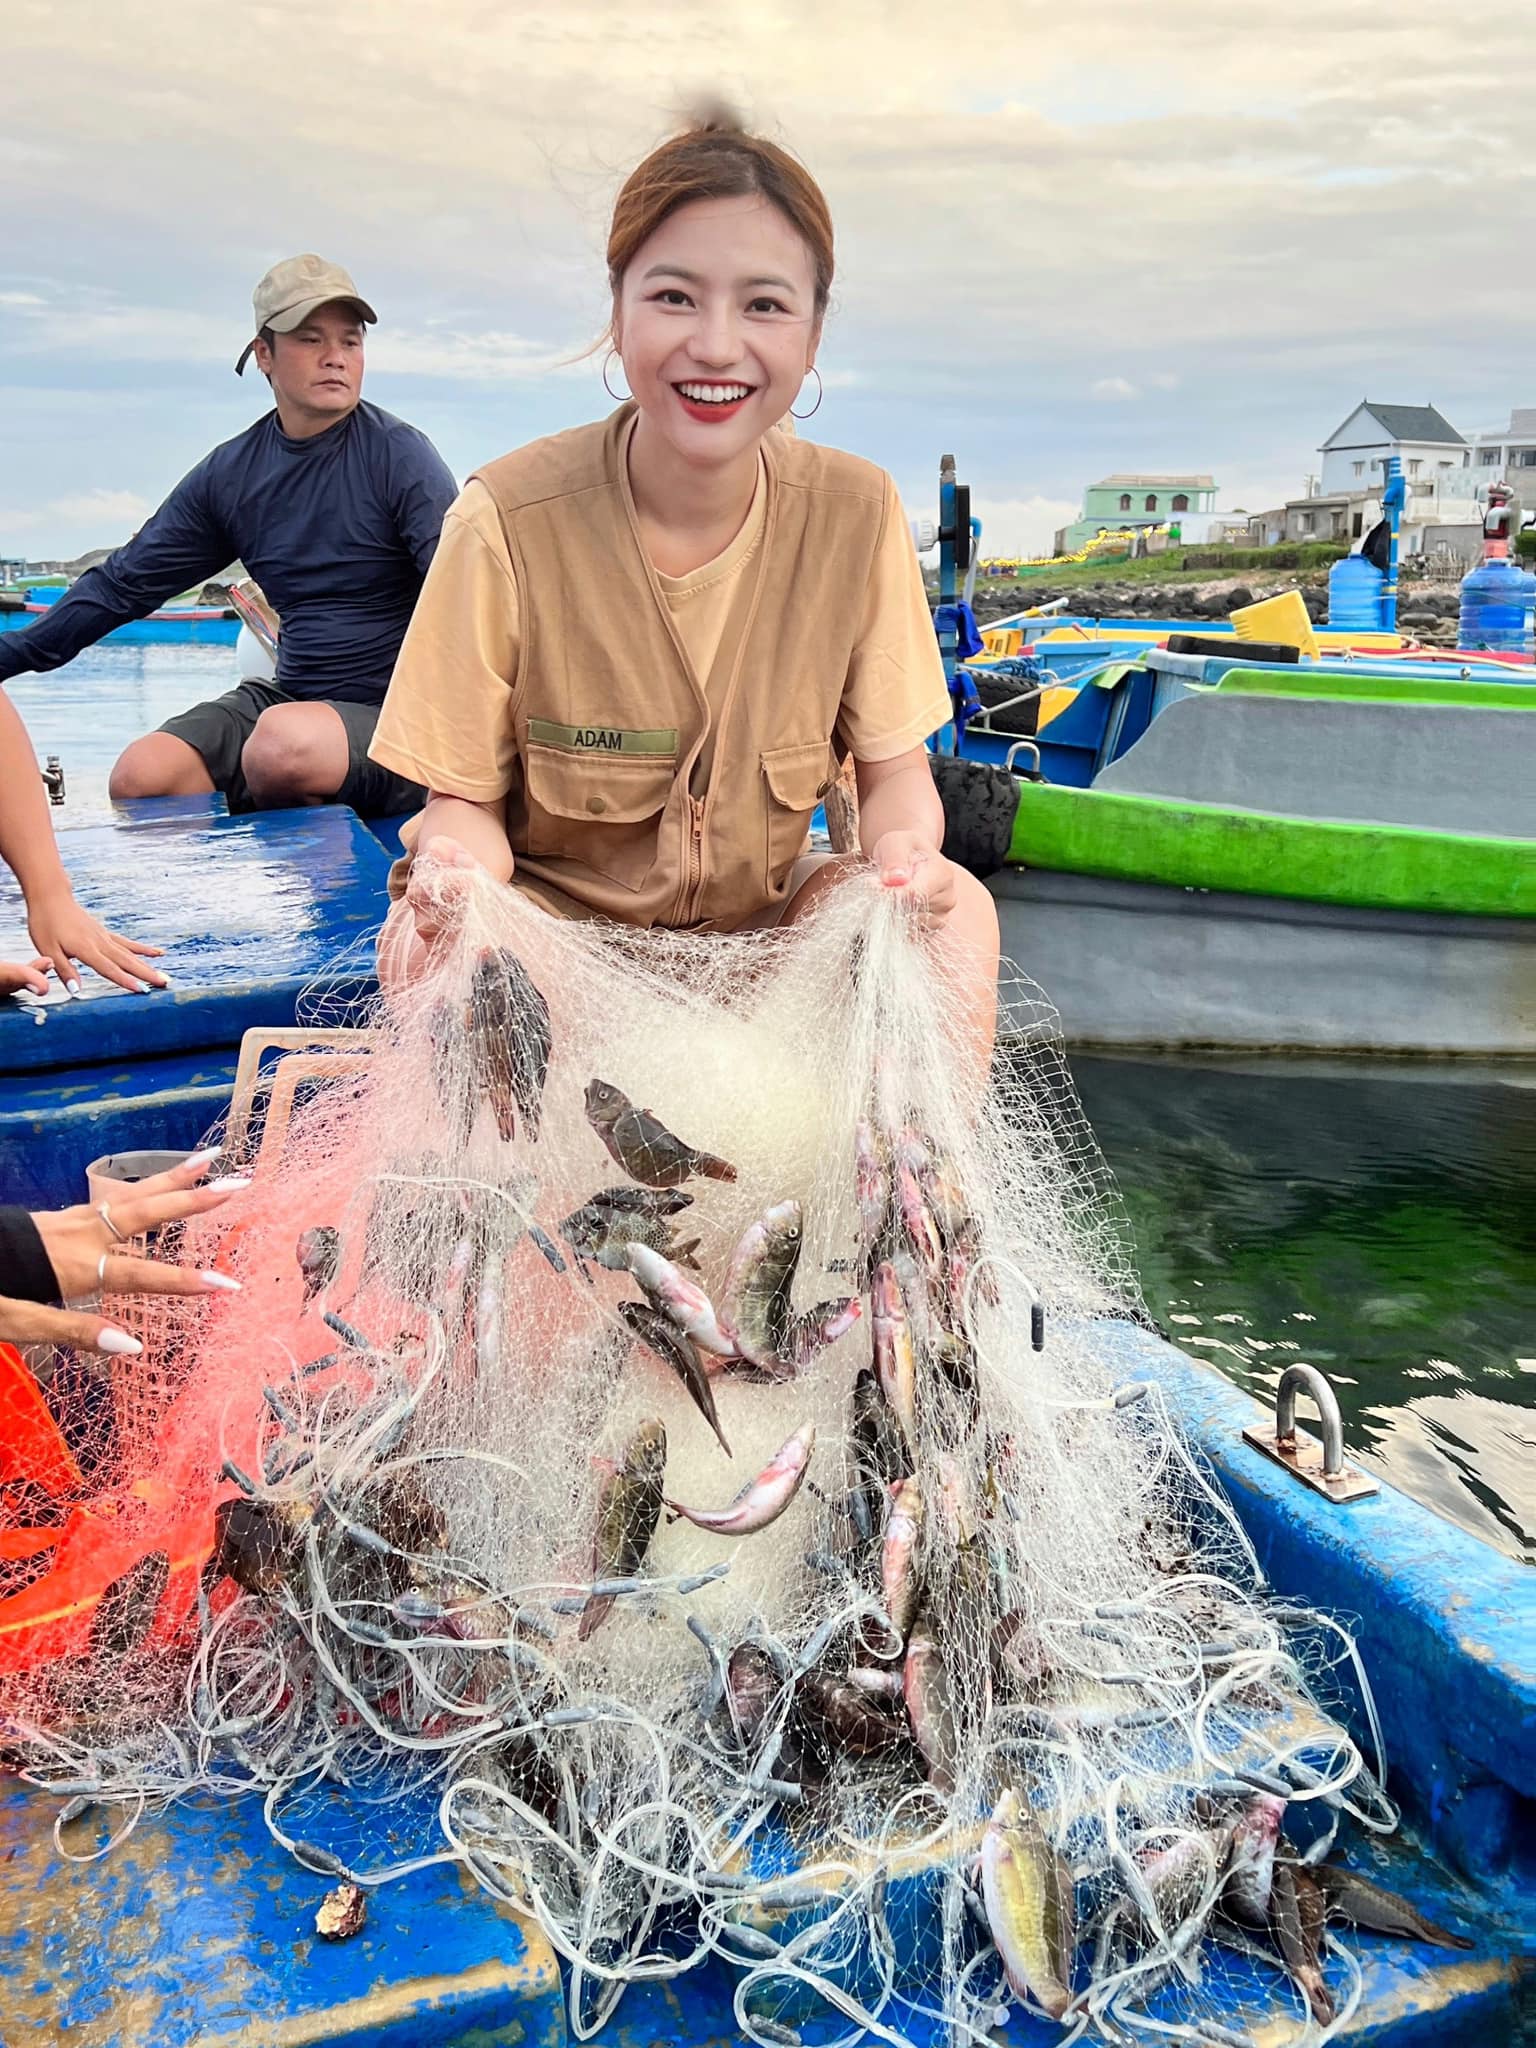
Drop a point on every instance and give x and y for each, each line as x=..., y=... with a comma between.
x=895, y=1360
x=319, y=1254
x=755, y=1301
x=898, y=1556
x=628, y=1509
x=452, y=1077
x=753, y=1685
x=1030, y=1910
x=930, y=1706
x=258, y=1544
x=1019, y=1660
x=509, y=1040
x=872, y=1192
x=879, y=1680
x=1298, y=1913
x=1250, y=1873
x=844, y=1719
x=921, y=1232
x=1354, y=1898
x=1181, y=1875
x=810, y=1333
x=880, y=1454
x=605, y=1235
x=659, y=1334
x=679, y=1299
x=763, y=1499
x=638, y=1201
x=642, y=1145
x=941, y=1190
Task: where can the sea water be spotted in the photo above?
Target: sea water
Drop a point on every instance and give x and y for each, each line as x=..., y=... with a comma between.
x=1375, y=1219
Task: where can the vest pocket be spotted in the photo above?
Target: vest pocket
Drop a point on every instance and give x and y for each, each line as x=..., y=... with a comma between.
x=603, y=810
x=797, y=778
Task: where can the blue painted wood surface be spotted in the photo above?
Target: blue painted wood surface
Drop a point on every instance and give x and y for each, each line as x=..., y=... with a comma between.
x=195, y=1931
x=252, y=912
x=53, y=1124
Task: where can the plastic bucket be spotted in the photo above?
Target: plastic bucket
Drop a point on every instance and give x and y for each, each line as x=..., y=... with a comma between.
x=1283, y=618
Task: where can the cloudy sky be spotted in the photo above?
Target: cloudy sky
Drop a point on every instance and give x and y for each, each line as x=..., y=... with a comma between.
x=1072, y=238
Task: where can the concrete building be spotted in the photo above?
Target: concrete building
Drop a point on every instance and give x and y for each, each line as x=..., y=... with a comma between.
x=1344, y=501
x=1127, y=503
x=1355, y=454
x=1506, y=455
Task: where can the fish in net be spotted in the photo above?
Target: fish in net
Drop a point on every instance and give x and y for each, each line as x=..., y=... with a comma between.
x=662, y=1461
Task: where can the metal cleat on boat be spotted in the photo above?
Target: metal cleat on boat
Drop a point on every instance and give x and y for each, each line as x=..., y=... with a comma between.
x=1319, y=1464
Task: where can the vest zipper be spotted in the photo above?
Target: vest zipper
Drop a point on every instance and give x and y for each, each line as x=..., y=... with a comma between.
x=694, y=880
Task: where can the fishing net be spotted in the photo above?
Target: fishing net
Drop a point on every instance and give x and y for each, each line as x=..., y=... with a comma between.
x=662, y=1460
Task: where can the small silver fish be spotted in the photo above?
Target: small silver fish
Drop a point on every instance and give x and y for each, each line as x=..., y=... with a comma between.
x=1250, y=1873
x=930, y=1706
x=680, y=1299
x=763, y=1499
x=898, y=1555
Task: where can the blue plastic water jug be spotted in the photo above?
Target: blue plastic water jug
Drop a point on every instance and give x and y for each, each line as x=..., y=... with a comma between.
x=1354, y=595
x=1497, y=600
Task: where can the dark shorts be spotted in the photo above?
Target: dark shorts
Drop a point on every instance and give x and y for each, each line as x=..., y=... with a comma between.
x=219, y=729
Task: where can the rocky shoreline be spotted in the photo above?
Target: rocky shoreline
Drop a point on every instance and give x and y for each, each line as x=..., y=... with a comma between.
x=1426, y=612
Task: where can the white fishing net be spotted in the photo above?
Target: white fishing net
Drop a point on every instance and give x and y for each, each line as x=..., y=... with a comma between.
x=950, y=1686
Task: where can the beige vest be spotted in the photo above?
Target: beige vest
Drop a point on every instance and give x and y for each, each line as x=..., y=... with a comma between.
x=613, y=813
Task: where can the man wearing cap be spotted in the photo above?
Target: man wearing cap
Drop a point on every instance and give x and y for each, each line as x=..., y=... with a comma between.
x=335, y=508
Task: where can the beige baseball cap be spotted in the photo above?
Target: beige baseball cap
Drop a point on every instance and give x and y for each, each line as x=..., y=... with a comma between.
x=292, y=289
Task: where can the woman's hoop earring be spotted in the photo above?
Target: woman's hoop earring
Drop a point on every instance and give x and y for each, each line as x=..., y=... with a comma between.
x=820, y=394
x=618, y=397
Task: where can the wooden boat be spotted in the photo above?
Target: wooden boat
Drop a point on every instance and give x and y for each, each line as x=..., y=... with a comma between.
x=204, y=623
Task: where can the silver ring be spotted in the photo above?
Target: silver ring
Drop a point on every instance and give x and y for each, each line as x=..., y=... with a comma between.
x=101, y=1274
x=106, y=1216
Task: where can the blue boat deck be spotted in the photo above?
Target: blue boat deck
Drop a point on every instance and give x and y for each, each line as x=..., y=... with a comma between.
x=262, y=918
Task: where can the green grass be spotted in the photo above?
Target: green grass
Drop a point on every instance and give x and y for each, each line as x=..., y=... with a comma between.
x=1161, y=569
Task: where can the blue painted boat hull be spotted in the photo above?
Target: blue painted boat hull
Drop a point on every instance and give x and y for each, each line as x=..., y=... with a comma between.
x=139, y=632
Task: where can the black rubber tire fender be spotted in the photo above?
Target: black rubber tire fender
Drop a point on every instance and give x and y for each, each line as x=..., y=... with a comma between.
x=980, y=804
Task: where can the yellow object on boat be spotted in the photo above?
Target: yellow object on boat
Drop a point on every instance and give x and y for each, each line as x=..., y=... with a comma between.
x=1282, y=620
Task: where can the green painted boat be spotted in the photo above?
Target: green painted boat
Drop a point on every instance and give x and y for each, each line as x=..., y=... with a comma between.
x=1288, y=860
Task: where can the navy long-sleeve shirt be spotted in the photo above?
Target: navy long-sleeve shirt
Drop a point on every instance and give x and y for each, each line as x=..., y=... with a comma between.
x=338, y=530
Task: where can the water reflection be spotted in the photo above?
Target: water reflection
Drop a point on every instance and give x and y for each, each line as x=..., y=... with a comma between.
x=1378, y=1220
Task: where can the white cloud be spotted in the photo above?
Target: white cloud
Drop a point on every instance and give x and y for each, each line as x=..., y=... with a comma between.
x=21, y=299
x=1013, y=257
x=84, y=519
x=1020, y=526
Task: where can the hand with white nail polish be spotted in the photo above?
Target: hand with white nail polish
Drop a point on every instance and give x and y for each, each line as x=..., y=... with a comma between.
x=88, y=1254
x=28, y=1322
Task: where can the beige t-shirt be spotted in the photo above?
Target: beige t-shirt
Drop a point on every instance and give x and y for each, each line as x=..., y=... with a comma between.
x=447, y=721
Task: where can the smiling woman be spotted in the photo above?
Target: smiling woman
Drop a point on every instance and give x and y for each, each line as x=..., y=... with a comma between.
x=647, y=646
